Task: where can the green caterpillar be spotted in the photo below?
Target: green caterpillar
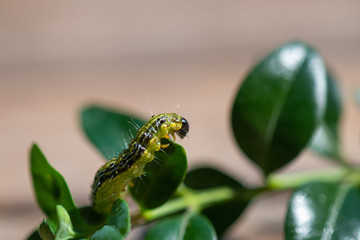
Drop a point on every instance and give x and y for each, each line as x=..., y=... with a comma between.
x=112, y=179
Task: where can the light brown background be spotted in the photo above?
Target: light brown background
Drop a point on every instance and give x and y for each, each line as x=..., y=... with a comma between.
x=152, y=56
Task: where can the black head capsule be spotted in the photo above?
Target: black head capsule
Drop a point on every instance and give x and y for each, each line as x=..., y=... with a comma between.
x=184, y=128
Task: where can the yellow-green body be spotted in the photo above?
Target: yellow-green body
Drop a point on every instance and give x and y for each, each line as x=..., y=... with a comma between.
x=113, y=178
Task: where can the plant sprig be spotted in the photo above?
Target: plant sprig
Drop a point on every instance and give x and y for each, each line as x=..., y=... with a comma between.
x=287, y=103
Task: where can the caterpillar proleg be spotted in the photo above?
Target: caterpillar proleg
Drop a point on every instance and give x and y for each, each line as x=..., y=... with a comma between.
x=112, y=179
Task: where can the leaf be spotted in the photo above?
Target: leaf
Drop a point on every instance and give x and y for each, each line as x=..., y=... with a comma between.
x=65, y=229
x=162, y=177
x=187, y=226
x=279, y=106
x=34, y=236
x=324, y=211
x=120, y=217
x=50, y=188
x=224, y=214
x=326, y=139
x=108, y=130
x=118, y=224
x=93, y=219
x=107, y=233
x=45, y=231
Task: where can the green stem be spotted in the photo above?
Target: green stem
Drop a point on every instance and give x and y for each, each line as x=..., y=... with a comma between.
x=191, y=199
x=290, y=181
x=196, y=200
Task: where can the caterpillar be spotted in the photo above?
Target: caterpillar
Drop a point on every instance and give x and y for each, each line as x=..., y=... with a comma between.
x=112, y=179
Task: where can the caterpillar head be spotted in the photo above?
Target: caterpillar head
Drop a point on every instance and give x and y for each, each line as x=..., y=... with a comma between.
x=184, y=128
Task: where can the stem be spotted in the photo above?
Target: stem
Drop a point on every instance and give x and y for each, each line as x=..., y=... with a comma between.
x=195, y=200
x=287, y=182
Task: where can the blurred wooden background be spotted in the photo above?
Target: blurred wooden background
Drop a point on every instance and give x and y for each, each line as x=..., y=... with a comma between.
x=158, y=56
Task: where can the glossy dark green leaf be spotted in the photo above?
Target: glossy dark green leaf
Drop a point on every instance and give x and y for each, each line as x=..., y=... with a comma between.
x=118, y=224
x=324, y=211
x=50, y=188
x=108, y=130
x=326, y=139
x=224, y=214
x=279, y=106
x=183, y=227
x=162, y=177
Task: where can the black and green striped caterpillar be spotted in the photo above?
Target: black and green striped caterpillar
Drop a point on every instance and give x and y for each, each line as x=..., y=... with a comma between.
x=112, y=179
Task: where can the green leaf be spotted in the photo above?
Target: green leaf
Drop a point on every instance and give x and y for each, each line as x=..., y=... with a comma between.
x=93, y=219
x=34, y=236
x=45, y=231
x=108, y=130
x=324, y=211
x=187, y=226
x=107, y=233
x=118, y=223
x=120, y=217
x=50, y=188
x=326, y=139
x=162, y=177
x=224, y=214
x=65, y=229
x=279, y=106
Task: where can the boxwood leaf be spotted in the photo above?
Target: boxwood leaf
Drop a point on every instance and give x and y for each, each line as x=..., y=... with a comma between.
x=34, y=236
x=45, y=231
x=162, y=177
x=324, y=211
x=108, y=130
x=279, y=105
x=65, y=229
x=224, y=214
x=107, y=232
x=118, y=223
x=50, y=188
x=326, y=139
x=120, y=217
x=187, y=226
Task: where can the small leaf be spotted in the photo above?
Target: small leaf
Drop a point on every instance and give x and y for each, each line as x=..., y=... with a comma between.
x=120, y=217
x=107, y=233
x=184, y=227
x=65, y=230
x=118, y=223
x=34, y=236
x=224, y=214
x=92, y=218
x=324, y=211
x=279, y=106
x=326, y=139
x=162, y=177
x=45, y=231
x=50, y=188
x=108, y=130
